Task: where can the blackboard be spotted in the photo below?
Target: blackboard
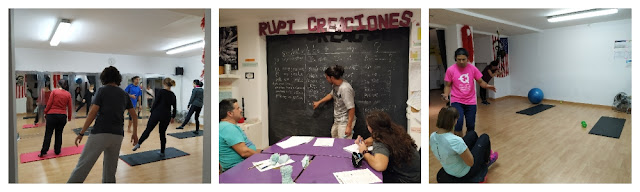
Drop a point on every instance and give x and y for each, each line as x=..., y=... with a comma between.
x=376, y=65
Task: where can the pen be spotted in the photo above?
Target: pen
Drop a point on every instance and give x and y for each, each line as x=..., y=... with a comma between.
x=255, y=165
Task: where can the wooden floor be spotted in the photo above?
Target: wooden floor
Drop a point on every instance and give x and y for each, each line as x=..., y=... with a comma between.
x=187, y=169
x=549, y=147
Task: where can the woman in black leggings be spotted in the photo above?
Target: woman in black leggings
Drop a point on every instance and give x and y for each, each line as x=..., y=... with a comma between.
x=88, y=96
x=195, y=105
x=57, y=113
x=162, y=113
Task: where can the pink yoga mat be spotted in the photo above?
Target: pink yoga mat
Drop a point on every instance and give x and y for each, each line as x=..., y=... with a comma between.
x=32, y=125
x=65, y=151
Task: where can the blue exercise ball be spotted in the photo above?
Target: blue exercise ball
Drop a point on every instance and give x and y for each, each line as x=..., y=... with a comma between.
x=78, y=81
x=535, y=95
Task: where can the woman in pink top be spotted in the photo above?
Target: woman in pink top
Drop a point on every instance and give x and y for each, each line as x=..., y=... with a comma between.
x=461, y=87
x=57, y=113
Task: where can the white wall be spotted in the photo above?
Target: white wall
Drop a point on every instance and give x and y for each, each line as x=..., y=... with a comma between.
x=572, y=63
x=482, y=49
x=253, y=46
x=452, y=42
x=28, y=59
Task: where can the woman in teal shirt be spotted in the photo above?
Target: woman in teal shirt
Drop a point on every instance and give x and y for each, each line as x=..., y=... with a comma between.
x=460, y=157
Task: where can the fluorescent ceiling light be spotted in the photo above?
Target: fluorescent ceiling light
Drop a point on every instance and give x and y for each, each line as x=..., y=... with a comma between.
x=581, y=14
x=61, y=31
x=187, y=47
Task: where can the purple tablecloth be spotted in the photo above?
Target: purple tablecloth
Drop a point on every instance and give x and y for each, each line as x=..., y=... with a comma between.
x=241, y=174
x=309, y=149
x=321, y=169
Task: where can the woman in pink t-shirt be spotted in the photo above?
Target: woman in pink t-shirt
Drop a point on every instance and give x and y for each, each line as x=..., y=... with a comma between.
x=461, y=87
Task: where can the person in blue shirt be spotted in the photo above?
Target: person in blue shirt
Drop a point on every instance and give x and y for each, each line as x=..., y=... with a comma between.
x=460, y=157
x=233, y=143
x=135, y=94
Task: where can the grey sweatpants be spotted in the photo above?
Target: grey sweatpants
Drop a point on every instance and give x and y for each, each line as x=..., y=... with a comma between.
x=96, y=144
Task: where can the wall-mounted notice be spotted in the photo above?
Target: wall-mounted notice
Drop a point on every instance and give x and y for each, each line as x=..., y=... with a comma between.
x=622, y=51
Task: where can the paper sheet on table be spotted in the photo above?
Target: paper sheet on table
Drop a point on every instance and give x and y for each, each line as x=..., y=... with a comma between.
x=354, y=148
x=360, y=176
x=294, y=141
x=266, y=164
x=414, y=100
x=323, y=142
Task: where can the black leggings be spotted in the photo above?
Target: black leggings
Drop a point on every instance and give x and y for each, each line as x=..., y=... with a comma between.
x=55, y=123
x=480, y=148
x=197, y=117
x=151, y=124
x=82, y=104
x=483, y=94
x=40, y=110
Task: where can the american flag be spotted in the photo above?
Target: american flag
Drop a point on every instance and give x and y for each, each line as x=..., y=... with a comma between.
x=20, y=87
x=503, y=63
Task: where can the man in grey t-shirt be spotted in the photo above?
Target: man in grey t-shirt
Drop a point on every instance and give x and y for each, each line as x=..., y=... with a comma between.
x=344, y=107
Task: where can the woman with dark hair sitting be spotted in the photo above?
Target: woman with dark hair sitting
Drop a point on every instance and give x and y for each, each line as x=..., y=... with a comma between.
x=394, y=152
x=107, y=134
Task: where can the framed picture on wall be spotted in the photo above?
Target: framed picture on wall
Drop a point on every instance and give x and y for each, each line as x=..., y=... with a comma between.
x=229, y=46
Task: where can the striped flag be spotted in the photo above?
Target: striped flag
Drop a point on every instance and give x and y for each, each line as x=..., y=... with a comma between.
x=20, y=88
x=503, y=63
x=56, y=78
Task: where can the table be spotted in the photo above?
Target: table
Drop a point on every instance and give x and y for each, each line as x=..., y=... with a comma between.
x=309, y=149
x=241, y=174
x=321, y=169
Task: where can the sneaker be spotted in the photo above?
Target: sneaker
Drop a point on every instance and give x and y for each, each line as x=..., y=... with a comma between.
x=180, y=127
x=492, y=158
x=136, y=147
x=159, y=153
x=42, y=155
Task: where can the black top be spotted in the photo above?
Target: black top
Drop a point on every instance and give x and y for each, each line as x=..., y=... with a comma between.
x=197, y=97
x=485, y=73
x=88, y=95
x=407, y=173
x=162, y=103
x=113, y=101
